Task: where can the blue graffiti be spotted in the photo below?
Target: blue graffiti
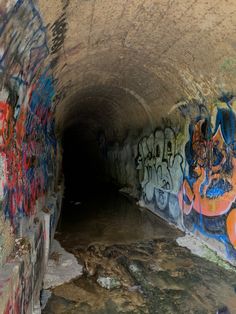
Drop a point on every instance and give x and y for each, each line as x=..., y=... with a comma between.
x=209, y=171
x=33, y=147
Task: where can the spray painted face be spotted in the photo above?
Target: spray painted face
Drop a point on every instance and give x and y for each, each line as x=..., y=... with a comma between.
x=210, y=188
x=215, y=161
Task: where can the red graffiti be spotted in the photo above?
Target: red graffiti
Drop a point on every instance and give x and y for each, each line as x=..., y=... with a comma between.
x=20, y=128
x=15, y=305
x=5, y=124
x=208, y=173
x=210, y=190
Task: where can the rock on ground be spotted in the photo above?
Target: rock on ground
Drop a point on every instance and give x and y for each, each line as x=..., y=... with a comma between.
x=62, y=267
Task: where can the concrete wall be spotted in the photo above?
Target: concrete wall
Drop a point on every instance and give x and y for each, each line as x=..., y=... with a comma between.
x=118, y=67
x=30, y=191
x=185, y=170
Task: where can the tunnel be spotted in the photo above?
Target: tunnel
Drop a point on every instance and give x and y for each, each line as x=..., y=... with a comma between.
x=119, y=117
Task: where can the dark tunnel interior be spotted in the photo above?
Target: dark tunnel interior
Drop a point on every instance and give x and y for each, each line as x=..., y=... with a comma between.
x=98, y=119
x=83, y=168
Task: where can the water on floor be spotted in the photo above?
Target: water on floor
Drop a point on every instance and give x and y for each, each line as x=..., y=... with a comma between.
x=132, y=264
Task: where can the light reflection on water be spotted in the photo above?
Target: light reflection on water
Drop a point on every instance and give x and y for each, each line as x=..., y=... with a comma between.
x=111, y=236
x=111, y=218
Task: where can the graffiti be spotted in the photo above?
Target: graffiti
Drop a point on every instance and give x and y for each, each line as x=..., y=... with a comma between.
x=28, y=146
x=23, y=287
x=65, y=3
x=5, y=124
x=14, y=305
x=208, y=192
x=27, y=140
x=61, y=93
x=200, y=88
x=160, y=171
x=192, y=109
x=192, y=181
x=59, y=29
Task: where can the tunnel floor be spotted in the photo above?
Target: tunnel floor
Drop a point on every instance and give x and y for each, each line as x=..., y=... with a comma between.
x=146, y=269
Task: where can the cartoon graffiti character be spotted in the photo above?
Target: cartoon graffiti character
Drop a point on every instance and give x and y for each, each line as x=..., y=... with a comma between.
x=209, y=188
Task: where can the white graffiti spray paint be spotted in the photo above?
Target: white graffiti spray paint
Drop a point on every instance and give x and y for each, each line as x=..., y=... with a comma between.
x=160, y=169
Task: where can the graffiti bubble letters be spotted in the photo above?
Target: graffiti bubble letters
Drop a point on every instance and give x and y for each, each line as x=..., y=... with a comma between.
x=160, y=171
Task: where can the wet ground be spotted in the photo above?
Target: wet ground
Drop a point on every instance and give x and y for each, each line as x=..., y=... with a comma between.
x=132, y=264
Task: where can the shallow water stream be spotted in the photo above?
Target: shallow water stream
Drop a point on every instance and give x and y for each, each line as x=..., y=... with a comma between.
x=132, y=264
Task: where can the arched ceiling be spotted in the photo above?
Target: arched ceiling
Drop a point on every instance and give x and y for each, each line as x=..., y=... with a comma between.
x=123, y=64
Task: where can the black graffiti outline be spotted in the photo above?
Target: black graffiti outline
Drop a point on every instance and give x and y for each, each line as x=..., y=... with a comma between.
x=163, y=192
x=59, y=30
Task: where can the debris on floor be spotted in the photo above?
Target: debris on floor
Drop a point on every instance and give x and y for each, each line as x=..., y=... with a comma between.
x=155, y=276
x=108, y=282
x=133, y=264
x=62, y=267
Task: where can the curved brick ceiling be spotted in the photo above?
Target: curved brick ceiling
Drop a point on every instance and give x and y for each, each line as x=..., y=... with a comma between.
x=124, y=64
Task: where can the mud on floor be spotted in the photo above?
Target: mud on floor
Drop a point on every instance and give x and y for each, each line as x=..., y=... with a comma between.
x=153, y=276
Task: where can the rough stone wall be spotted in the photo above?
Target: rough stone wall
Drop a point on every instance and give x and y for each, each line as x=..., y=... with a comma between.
x=30, y=193
x=185, y=170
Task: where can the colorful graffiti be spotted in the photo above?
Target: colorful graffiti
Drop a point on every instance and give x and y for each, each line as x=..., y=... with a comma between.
x=208, y=193
x=160, y=169
x=20, y=288
x=193, y=184
x=27, y=140
x=28, y=148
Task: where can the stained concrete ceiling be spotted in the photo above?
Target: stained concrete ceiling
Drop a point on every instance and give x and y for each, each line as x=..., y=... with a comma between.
x=123, y=64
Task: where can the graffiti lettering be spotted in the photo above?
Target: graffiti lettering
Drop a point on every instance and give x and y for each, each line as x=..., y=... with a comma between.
x=59, y=29
x=160, y=171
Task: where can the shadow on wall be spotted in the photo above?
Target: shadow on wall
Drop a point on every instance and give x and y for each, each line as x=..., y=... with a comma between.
x=193, y=183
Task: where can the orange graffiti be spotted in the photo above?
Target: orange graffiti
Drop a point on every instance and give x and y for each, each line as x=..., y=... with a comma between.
x=195, y=196
x=231, y=227
x=5, y=124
